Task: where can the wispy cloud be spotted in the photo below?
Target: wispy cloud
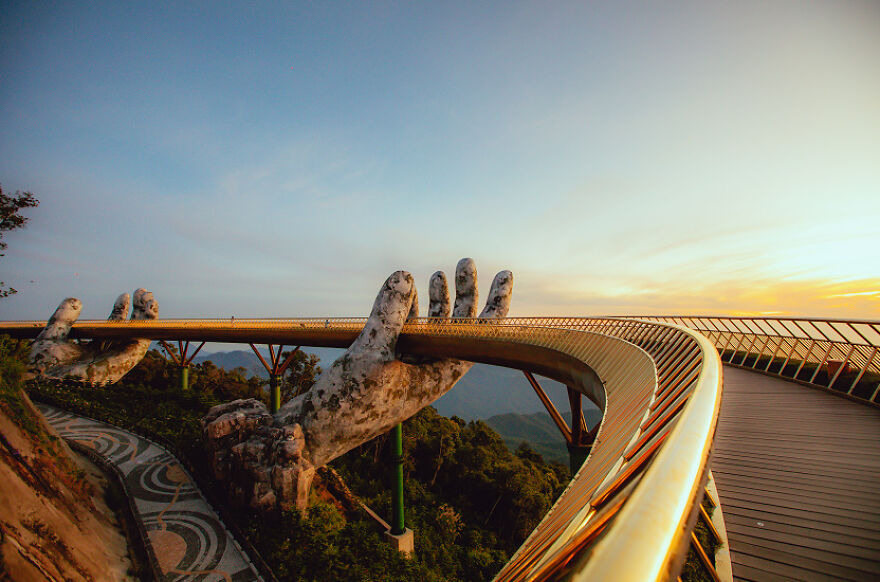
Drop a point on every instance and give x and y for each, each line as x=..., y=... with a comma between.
x=858, y=298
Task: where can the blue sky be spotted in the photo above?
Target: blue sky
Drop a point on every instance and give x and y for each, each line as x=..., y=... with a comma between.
x=281, y=159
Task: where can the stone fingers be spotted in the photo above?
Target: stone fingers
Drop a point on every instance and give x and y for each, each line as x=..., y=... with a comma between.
x=438, y=294
x=145, y=305
x=51, y=348
x=120, y=308
x=111, y=363
x=414, y=304
x=390, y=310
x=106, y=363
x=61, y=321
x=465, y=289
x=498, y=302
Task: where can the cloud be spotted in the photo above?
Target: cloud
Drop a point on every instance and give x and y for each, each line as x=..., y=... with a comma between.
x=856, y=299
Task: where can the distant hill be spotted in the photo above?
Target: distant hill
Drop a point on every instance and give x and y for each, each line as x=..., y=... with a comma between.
x=490, y=390
x=538, y=430
x=247, y=360
x=483, y=392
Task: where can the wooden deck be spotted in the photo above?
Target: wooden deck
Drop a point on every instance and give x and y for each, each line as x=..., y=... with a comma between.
x=798, y=474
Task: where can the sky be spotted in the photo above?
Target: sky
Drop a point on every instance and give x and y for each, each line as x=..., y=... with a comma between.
x=281, y=159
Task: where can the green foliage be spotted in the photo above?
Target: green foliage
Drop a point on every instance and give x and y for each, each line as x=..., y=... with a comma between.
x=222, y=385
x=693, y=569
x=327, y=546
x=13, y=359
x=11, y=219
x=539, y=431
x=301, y=374
x=470, y=500
x=13, y=356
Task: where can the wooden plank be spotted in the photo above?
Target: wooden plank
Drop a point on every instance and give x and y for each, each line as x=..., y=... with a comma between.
x=815, y=566
x=858, y=566
x=818, y=518
x=824, y=500
x=804, y=536
x=854, y=446
x=797, y=477
x=827, y=482
x=744, y=573
x=798, y=470
x=780, y=443
x=753, y=516
x=809, y=460
x=815, y=489
x=778, y=568
x=837, y=488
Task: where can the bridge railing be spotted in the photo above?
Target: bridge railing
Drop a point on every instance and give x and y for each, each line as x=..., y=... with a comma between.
x=838, y=355
x=629, y=512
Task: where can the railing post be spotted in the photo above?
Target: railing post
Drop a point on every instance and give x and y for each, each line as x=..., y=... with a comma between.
x=398, y=534
x=397, y=525
x=274, y=393
x=577, y=454
x=580, y=444
x=276, y=372
x=181, y=359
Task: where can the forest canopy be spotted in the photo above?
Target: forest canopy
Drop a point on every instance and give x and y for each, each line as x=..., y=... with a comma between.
x=469, y=499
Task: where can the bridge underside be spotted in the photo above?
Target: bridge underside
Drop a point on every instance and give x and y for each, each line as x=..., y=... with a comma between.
x=798, y=476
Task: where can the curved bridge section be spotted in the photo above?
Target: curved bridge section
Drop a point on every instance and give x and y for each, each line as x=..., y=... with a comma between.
x=629, y=511
x=840, y=356
x=797, y=470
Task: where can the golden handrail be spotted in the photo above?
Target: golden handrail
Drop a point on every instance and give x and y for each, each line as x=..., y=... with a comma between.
x=837, y=355
x=628, y=512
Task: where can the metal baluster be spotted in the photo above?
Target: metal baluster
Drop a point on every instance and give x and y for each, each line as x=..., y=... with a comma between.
x=842, y=366
x=804, y=361
x=773, y=357
x=862, y=373
x=821, y=363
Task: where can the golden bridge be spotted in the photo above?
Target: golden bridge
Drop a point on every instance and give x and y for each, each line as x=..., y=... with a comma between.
x=775, y=422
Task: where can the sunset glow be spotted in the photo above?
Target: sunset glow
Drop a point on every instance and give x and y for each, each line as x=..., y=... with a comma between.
x=623, y=158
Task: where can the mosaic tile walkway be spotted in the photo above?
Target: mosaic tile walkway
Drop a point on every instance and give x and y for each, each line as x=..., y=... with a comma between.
x=185, y=536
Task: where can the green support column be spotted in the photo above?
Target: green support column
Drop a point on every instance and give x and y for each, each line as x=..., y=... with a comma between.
x=184, y=378
x=274, y=393
x=397, y=525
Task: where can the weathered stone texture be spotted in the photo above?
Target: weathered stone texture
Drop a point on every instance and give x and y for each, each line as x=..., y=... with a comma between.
x=271, y=460
x=96, y=362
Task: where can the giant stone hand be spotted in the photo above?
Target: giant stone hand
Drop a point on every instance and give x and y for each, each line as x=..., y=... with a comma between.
x=95, y=362
x=270, y=460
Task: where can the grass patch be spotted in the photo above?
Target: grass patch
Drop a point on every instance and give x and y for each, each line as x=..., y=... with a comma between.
x=13, y=355
x=693, y=569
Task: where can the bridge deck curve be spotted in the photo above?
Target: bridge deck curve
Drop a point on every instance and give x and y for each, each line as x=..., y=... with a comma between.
x=660, y=386
x=798, y=476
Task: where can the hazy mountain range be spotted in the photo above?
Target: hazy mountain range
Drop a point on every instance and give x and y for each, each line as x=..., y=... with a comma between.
x=500, y=396
x=538, y=430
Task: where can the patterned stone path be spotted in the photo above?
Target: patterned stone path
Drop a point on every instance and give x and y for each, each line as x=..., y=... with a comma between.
x=186, y=537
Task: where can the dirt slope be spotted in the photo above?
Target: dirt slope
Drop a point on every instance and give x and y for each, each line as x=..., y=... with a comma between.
x=54, y=524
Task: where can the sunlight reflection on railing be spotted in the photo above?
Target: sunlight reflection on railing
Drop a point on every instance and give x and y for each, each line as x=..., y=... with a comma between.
x=662, y=385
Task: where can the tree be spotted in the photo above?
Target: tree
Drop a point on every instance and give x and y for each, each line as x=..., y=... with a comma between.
x=300, y=375
x=10, y=219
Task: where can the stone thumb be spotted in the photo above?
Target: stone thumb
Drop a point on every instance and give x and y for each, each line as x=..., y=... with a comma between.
x=390, y=311
x=58, y=326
